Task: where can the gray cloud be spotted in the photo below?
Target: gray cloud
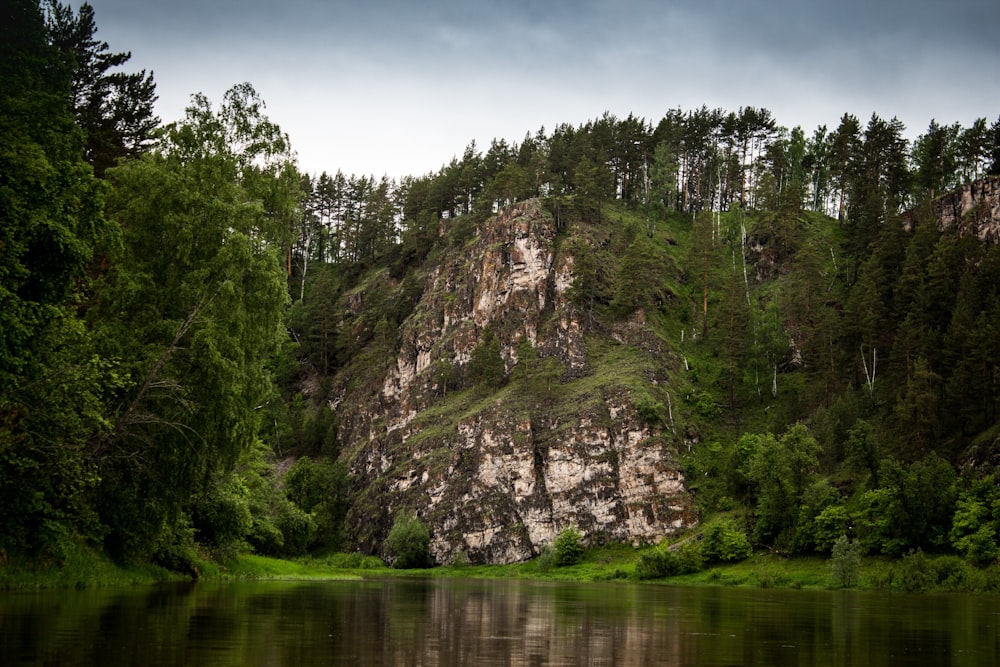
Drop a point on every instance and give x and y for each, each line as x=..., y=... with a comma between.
x=400, y=86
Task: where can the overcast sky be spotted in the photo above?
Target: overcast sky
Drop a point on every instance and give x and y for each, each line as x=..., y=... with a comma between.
x=399, y=87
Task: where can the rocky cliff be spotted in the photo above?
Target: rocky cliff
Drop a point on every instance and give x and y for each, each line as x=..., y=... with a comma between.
x=975, y=208
x=972, y=209
x=578, y=430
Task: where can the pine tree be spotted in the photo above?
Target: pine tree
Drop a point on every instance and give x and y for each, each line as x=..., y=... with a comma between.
x=114, y=108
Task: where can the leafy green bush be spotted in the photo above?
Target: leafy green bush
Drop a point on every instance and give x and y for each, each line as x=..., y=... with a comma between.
x=297, y=527
x=546, y=560
x=568, y=547
x=954, y=574
x=664, y=562
x=829, y=526
x=657, y=563
x=319, y=488
x=221, y=516
x=408, y=543
x=915, y=572
x=354, y=561
x=725, y=542
x=845, y=562
x=705, y=405
x=974, y=526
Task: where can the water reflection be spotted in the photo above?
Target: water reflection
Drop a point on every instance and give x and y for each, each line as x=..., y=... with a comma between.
x=422, y=622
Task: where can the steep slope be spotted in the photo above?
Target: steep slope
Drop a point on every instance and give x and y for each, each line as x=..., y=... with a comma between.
x=497, y=463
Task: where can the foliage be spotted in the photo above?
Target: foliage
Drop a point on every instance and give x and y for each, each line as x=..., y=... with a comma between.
x=486, y=365
x=113, y=108
x=662, y=561
x=193, y=308
x=724, y=542
x=408, y=543
x=912, y=508
x=54, y=384
x=568, y=547
x=221, y=516
x=845, y=562
x=976, y=522
x=781, y=471
x=319, y=488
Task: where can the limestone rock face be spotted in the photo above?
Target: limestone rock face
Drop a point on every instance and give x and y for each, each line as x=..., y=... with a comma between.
x=497, y=474
x=972, y=209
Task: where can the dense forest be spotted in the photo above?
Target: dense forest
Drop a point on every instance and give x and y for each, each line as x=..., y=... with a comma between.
x=167, y=290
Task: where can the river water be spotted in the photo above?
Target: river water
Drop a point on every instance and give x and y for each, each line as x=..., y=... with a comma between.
x=475, y=622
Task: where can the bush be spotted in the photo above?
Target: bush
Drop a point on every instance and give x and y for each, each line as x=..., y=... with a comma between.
x=915, y=572
x=408, y=544
x=663, y=562
x=568, y=547
x=845, y=562
x=956, y=575
x=725, y=542
x=298, y=528
x=221, y=516
x=319, y=488
x=546, y=560
x=657, y=563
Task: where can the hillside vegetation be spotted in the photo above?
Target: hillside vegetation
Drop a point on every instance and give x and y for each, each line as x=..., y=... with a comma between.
x=205, y=352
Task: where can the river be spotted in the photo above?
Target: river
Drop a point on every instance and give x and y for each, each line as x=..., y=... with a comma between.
x=492, y=622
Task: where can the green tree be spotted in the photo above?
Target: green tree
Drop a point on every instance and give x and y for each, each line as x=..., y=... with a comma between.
x=976, y=524
x=913, y=508
x=114, y=108
x=320, y=488
x=486, y=365
x=935, y=156
x=408, y=543
x=781, y=470
x=845, y=562
x=193, y=307
x=568, y=547
x=641, y=277
x=53, y=382
x=725, y=542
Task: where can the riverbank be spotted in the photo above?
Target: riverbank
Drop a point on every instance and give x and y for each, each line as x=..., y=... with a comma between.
x=86, y=568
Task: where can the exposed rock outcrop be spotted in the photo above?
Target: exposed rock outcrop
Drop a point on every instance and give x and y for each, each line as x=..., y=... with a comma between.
x=972, y=209
x=496, y=475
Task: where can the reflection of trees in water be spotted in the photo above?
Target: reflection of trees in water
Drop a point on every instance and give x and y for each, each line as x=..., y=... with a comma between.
x=452, y=622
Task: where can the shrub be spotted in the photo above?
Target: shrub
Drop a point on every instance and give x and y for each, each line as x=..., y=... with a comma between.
x=221, y=516
x=657, y=563
x=568, y=547
x=845, y=562
x=954, y=574
x=725, y=542
x=298, y=528
x=690, y=558
x=546, y=560
x=408, y=544
x=915, y=572
x=319, y=488
x=663, y=562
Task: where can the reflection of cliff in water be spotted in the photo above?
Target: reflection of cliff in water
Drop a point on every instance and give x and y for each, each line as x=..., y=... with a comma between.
x=448, y=622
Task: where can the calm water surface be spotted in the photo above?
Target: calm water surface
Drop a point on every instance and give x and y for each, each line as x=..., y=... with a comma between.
x=447, y=622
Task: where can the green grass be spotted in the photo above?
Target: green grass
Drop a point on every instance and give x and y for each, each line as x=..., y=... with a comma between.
x=80, y=567
x=764, y=571
x=251, y=567
x=83, y=567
